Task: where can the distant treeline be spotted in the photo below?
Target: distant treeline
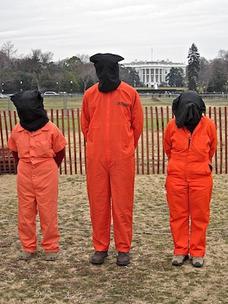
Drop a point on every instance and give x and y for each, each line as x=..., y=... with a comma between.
x=202, y=75
x=75, y=74
x=38, y=70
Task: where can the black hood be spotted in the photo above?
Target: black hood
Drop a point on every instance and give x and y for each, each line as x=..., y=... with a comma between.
x=107, y=70
x=188, y=108
x=30, y=109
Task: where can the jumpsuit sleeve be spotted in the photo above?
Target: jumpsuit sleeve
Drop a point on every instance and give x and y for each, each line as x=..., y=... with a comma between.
x=13, y=147
x=85, y=120
x=167, y=141
x=137, y=119
x=11, y=143
x=58, y=140
x=213, y=143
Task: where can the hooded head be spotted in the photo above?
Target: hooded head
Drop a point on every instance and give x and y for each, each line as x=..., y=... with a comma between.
x=30, y=109
x=188, y=108
x=107, y=70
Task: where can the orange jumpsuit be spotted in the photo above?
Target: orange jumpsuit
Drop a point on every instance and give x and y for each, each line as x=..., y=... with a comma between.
x=112, y=123
x=37, y=184
x=189, y=184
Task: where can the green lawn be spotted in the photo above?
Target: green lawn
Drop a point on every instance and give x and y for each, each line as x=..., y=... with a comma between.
x=70, y=102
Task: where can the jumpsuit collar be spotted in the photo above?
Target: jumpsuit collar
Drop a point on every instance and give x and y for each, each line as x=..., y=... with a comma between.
x=196, y=128
x=43, y=129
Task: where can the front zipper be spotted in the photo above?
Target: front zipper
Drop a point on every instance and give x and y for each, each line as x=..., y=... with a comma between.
x=189, y=142
x=108, y=130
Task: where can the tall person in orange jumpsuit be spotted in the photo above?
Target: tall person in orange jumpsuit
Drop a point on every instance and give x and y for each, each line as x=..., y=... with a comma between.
x=112, y=121
x=39, y=146
x=190, y=143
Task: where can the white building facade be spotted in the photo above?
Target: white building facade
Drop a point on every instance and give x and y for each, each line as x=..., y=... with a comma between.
x=153, y=74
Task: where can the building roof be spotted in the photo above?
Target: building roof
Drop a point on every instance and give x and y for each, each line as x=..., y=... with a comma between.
x=154, y=63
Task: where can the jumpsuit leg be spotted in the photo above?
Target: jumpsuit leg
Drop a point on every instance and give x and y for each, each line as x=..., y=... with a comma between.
x=46, y=187
x=27, y=207
x=177, y=192
x=122, y=174
x=199, y=200
x=98, y=186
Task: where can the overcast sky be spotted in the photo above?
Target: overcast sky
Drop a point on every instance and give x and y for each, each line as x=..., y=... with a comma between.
x=130, y=28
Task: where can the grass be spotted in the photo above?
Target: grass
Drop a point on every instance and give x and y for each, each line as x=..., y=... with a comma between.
x=71, y=102
x=149, y=279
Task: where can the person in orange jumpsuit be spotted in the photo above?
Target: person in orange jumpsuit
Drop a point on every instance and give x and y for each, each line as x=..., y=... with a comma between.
x=190, y=143
x=112, y=121
x=39, y=146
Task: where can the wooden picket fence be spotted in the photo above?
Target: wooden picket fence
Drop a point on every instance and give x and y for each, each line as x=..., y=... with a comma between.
x=150, y=156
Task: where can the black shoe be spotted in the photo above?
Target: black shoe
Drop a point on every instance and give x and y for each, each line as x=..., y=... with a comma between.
x=123, y=259
x=178, y=260
x=98, y=257
x=197, y=262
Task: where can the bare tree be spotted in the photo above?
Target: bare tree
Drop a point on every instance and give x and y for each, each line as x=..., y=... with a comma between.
x=87, y=74
x=9, y=49
x=84, y=58
x=39, y=62
x=204, y=74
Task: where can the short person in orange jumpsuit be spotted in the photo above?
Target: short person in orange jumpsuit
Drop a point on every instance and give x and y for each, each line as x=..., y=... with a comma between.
x=39, y=146
x=190, y=143
x=112, y=121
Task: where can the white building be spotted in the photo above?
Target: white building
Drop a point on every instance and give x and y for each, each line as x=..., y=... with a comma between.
x=152, y=74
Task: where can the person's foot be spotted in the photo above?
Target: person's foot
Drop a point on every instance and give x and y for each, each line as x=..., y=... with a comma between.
x=25, y=255
x=197, y=262
x=123, y=259
x=51, y=256
x=98, y=257
x=179, y=260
